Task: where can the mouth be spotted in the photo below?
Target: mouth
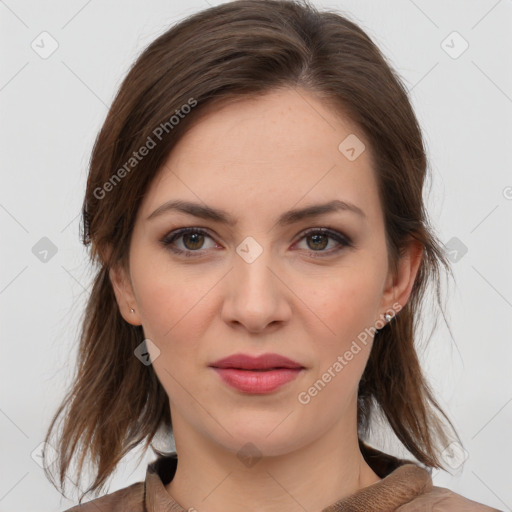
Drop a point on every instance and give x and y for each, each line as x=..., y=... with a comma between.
x=263, y=362
x=257, y=375
x=258, y=369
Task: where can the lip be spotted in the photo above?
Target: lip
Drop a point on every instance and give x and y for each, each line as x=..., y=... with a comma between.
x=257, y=375
x=261, y=362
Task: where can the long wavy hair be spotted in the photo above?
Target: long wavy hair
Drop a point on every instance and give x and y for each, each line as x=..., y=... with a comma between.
x=240, y=49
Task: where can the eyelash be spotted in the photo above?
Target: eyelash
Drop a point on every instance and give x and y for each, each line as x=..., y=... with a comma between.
x=168, y=239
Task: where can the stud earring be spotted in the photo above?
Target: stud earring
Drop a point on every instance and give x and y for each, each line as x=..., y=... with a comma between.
x=132, y=310
x=388, y=317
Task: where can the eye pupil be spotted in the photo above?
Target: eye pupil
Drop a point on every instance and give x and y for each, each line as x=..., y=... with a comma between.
x=196, y=244
x=318, y=238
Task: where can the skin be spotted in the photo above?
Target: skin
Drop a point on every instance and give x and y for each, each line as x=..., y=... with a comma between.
x=257, y=158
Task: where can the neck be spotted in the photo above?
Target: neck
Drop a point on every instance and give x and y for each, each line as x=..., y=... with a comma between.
x=312, y=477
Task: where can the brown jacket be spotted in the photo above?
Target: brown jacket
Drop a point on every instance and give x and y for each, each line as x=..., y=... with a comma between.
x=405, y=487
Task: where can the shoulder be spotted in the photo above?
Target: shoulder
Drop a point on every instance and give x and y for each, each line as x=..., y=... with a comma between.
x=128, y=499
x=440, y=499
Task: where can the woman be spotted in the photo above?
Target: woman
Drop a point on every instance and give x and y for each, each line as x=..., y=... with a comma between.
x=254, y=206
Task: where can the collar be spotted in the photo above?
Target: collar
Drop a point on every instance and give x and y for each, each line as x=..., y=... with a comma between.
x=401, y=481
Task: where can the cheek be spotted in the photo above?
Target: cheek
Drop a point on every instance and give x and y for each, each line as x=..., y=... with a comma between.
x=174, y=315
x=349, y=308
x=349, y=303
x=168, y=295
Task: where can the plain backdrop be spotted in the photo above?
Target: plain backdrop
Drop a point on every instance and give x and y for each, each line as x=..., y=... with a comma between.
x=454, y=57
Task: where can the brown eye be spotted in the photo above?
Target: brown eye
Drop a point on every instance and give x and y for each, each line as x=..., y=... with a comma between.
x=192, y=241
x=318, y=239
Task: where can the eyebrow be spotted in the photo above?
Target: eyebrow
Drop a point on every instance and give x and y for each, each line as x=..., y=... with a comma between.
x=285, y=219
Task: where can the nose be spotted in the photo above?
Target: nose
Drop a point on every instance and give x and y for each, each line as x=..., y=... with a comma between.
x=257, y=297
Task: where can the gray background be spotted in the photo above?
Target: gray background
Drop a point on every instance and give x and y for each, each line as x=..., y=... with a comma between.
x=51, y=110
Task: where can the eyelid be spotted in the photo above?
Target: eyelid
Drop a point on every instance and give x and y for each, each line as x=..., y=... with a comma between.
x=343, y=240
x=175, y=234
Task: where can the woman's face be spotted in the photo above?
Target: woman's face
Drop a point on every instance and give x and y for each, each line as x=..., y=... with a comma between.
x=261, y=284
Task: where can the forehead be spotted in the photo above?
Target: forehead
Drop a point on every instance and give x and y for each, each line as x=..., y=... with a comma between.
x=263, y=153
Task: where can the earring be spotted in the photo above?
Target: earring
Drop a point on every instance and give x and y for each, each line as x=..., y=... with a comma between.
x=132, y=310
x=388, y=317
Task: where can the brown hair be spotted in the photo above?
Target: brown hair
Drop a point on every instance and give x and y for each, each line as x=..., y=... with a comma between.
x=237, y=49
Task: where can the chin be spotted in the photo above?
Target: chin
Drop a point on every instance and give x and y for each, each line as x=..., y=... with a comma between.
x=256, y=442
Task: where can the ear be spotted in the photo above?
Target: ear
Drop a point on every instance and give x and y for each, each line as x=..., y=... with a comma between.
x=125, y=297
x=399, y=285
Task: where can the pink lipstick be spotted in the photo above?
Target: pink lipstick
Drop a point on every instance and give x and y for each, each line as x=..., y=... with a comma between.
x=257, y=375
